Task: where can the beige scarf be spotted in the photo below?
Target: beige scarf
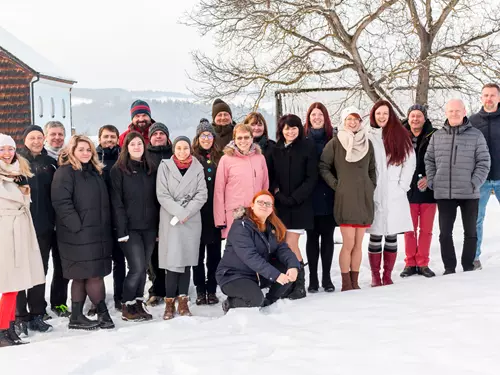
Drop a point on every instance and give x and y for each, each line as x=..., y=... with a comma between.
x=355, y=144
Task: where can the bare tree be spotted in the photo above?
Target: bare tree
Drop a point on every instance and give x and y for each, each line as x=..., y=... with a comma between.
x=369, y=46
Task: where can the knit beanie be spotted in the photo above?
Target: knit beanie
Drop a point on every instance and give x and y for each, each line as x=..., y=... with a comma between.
x=182, y=138
x=205, y=126
x=139, y=106
x=32, y=128
x=418, y=107
x=349, y=111
x=220, y=106
x=7, y=140
x=158, y=126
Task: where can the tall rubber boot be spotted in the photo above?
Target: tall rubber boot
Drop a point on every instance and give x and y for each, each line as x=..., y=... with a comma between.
x=375, y=261
x=389, y=261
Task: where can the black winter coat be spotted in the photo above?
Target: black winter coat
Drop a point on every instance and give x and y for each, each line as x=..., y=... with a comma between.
x=489, y=125
x=83, y=219
x=43, y=167
x=157, y=153
x=414, y=195
x=209, y=233
x=295, y=174
x=266, y=146
x=108, y=156
x=133, y=199
x=248, y=252
x=323, y=197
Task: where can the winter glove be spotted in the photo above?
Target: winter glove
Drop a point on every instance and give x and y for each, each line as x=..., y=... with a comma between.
x=284, y=200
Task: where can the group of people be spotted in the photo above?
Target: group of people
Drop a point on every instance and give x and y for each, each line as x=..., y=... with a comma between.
x=163, y=207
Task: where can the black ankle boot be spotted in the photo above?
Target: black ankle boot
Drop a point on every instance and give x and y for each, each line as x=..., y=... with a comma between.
x=79, y=321
x=105, y=321
x=299, y=287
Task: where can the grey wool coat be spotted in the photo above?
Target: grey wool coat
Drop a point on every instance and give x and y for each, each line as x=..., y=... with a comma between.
x=181, y=197
x=457, y=162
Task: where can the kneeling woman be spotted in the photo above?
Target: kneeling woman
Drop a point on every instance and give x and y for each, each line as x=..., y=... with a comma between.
x=182, y=191
x=255, y=249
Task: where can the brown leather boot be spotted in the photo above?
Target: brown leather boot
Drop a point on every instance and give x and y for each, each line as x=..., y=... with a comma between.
x=346, y=282
x=169, y=309
x=354, y=279
x=183, y=308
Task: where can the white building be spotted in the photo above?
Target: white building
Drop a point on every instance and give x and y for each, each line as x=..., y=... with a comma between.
x=32, y=89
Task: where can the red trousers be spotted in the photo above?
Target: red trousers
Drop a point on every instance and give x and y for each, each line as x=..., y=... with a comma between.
x=417, y=251
x=7, y=309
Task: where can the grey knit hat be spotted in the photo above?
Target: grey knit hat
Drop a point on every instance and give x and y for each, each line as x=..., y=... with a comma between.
x=205, y=126
x=181, y=138
x=158, y=126
x=418, y=107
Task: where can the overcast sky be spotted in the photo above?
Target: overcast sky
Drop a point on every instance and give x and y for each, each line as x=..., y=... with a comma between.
x=110, y=43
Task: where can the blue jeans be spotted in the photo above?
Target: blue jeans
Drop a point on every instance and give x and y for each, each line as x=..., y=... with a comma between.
x=486, y=189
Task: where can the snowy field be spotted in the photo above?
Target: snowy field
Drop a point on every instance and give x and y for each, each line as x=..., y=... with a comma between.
x=445, y=325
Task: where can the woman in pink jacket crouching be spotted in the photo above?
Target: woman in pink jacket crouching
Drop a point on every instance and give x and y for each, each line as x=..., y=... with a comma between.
x=241, y=173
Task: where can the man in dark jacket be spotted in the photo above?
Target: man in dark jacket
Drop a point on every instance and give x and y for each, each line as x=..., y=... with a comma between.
x=160, y=148
x=223, y=123
x=43, y=168
x=108, y=152
x=422, y=203
x=457, y=163
x=487, y=120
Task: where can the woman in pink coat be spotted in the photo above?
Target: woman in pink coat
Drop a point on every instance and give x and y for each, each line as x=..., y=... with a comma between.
x=241, y=173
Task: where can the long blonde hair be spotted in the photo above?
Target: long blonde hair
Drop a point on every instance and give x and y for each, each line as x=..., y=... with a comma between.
x=67, y=155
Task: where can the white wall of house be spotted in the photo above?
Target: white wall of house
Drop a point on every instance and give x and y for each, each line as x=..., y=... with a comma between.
x=52, y=102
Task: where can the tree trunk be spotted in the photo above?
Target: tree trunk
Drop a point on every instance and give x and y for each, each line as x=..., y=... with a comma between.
x=423, y=84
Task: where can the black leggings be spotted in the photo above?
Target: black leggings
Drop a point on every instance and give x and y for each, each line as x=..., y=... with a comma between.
x=208, y=284
x=324, y=227
x=137, y=250
x=94, y=288
x=176, y=283
x=390, y=245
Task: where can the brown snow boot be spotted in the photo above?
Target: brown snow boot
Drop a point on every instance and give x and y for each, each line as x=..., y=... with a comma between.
x=346, y=282
x=354, y=279
x=183, y=308
x=169, y=308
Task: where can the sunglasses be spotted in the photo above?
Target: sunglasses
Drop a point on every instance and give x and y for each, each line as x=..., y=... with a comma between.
x=246, y=138
x=264, y=204
x=206, y=137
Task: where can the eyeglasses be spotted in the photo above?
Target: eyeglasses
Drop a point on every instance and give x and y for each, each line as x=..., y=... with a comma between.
x=207, y=137
x=264, y=204
x=246, y=138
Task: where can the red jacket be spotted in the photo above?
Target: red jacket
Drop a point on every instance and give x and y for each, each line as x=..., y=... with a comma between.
x=132, y=128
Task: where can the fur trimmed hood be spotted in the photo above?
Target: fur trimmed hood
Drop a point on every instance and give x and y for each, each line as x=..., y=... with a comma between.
x=232, y=150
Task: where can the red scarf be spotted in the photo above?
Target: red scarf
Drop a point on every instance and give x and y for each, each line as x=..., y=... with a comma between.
x=185, y=164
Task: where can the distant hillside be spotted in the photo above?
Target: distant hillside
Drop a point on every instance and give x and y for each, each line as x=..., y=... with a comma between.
x=93, y=108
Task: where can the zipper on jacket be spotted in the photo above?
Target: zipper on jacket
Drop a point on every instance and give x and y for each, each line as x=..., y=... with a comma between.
x=451, y=156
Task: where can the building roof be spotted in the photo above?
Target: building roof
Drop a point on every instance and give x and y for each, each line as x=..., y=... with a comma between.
x=32, y=59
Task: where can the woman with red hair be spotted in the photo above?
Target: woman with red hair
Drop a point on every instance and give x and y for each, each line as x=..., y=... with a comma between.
x=318, y=128
x=256, y=249
x=395, y=162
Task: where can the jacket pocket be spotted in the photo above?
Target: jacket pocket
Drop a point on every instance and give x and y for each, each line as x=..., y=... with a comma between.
x=455, y=156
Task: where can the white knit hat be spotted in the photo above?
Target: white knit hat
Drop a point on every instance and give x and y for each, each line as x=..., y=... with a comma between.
x=7, y=140
x=349, y=111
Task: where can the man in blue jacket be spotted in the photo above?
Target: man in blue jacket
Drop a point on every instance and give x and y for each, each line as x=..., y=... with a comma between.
x=487, y=120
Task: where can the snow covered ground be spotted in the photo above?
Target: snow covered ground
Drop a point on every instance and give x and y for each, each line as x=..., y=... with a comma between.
x=445, y=325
